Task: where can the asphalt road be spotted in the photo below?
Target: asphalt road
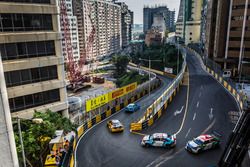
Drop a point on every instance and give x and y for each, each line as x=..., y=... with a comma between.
x=101, y=148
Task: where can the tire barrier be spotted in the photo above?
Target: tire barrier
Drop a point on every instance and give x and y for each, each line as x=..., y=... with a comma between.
x=240, y=98
x=155, y=110
x=99, y=117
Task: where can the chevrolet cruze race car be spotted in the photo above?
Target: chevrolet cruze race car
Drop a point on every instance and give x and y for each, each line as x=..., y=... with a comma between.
x=115, y=125
x=132, y=107
x=159, y=140
x=202, y=143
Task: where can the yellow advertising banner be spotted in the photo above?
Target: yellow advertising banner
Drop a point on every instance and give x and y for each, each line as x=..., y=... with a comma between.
x=103, y=99
x=122, y=91
x=96, y=102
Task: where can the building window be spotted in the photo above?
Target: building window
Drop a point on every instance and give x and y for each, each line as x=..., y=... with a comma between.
x=25, y=22
x=33, y=100
x=33, y=75
x=27, y=50
x=28, y=1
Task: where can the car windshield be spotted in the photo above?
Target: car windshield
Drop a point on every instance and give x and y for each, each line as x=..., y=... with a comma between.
x=116, y=124
x=198, y=141
x=131, y=105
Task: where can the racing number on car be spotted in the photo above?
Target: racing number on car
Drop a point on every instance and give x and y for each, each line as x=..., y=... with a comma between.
x=158, y=142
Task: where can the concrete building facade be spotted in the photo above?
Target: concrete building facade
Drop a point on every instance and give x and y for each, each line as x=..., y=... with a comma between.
x=73, y=30
x=105, y=16
x=126, y=24
x=148, y=15
x=31, y=56
x=227, y=42
x=189, y=22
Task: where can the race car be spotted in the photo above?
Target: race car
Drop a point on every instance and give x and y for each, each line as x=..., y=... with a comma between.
x=115, y=126
x=159, y=140
x=202, y=143
x=132, y=107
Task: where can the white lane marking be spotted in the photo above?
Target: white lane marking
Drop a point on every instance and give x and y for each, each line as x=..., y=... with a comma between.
x=197, y=105
x=201, y=87
x=188, y=132
x=210, y=115
x=200, y=94
x=194, y=116
x=186, y=108
x=178, y=111
x=209, y=127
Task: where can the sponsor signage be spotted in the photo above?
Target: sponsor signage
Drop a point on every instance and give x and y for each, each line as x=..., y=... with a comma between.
x=104, y=99
x=96, y=102
x=168, y=70
x=122, y=91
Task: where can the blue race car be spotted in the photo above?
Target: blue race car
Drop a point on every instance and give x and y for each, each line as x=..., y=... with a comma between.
x=159, y=140
x=132, y=107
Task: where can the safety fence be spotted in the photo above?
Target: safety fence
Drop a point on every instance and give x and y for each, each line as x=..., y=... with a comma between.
x=213, y=69
x=155, y=110
x=115, y=107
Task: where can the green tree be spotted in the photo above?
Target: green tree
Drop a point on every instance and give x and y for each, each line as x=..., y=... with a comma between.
x=120, y=63
x=36, y=137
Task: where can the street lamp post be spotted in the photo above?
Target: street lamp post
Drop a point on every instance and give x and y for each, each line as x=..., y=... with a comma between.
x=149, y=69
x=21, y=141
x=35, y=120
x=178, y=56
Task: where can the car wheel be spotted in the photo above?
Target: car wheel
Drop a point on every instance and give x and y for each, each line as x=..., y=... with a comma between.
x=147, y=145
x=199, y=151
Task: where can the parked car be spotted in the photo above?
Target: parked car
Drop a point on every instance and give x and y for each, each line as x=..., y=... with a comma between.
x=132, y=107
x=115, y=126
x=202, y=143
x=159, y=140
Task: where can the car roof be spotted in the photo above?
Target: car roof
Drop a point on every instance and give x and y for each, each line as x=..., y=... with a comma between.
x=115, y=121
x=205, y=137
x=131, y=105
x=159, y=135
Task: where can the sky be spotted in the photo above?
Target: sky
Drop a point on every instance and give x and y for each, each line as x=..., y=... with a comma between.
x=137, y=7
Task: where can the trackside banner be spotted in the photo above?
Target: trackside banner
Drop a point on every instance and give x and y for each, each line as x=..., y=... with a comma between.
x=99, y=101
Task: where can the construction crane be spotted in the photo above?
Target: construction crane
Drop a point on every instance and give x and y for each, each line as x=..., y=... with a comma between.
x=74, y=69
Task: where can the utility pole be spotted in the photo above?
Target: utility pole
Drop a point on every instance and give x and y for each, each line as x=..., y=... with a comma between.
x=178, y=56
x=149, y=68
x=21, y=141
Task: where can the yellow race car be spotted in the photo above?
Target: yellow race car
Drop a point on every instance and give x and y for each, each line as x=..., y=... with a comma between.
x=115, y=126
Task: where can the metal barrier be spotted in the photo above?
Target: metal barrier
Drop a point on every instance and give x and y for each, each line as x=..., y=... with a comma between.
x=214, y=69
x=154, y=111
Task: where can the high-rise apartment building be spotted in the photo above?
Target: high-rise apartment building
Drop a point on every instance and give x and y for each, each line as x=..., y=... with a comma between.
x=33, y=64
x=189, y=21
x=148, y=15
x=73, y=30
x=105, y=16
x=228, y=43
x=126, y=24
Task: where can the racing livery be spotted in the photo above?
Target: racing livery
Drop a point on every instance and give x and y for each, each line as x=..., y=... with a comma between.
x=132, y=107
x=202, y=143
x=115, y=126
x=159, y=140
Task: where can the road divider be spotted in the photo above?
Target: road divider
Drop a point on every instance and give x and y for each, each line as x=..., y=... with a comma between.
x=155, y=110
x=136, y=95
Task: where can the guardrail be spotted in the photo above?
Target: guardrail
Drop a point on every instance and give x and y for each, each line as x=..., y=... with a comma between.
x=141, y=91
x=154, y=111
